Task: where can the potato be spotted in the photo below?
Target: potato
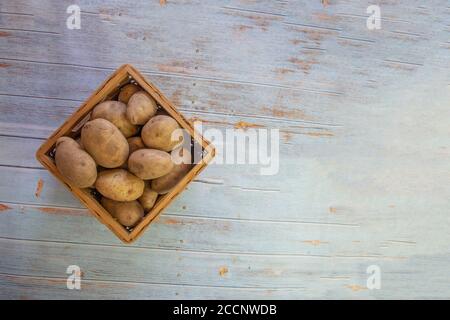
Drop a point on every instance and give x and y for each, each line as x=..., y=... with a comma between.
x=162, y=133
x=74, y=163
x=135, y=143
x=127, y=213
x=127, y=91
x=79, y=142
x=105, y=143
x=116, y=113
x=141, y=107
x=119, y=185
x=149, y=163
x=182, y=159
x=148, y=198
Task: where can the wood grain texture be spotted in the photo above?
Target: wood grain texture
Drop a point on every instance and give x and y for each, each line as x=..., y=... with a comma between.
x=364, y=149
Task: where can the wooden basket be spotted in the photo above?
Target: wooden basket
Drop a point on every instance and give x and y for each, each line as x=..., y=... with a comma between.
x=72, y=127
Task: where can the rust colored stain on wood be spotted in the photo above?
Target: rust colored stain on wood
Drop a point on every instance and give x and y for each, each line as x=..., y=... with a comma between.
x=315, y=242
x=304, y=65
x=296, y=41
x=4, y=65
x=283, y=113
x=323, y=16
x=176, y=97
x=245, y=125
x=283, y=71
x=355, y=287
x=4, y=34
x=287, y=136
x=162, y=2
x=223, y=271
x=174, y=67
x=238, y=125
x=242, y=28
x=263, y=22
x=40, y=185
x=63, y=211
x=325, y=2
x=4, y=207
x=318, y=134
x=171, y=221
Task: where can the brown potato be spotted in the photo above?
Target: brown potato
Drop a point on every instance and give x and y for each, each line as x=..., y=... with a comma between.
x=135, y=143
x=119, y=185
x=116, y=113
x=127, y=91
x=162, y=133
x=74, y=163
x=127, y=213
x=141, y=107
x=182, y=157
x=148, y=198
x=105, y=143
x=149, y=163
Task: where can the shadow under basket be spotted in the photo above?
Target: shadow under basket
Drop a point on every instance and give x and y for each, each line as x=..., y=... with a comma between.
x=72, y=128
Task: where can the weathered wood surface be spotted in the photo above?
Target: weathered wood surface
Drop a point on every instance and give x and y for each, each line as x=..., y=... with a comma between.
x=364, y=123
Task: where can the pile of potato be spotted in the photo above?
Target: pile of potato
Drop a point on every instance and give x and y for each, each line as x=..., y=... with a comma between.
x=126, y=152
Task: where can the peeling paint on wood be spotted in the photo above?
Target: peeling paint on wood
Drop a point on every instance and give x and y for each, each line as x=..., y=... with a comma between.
x=39, y=187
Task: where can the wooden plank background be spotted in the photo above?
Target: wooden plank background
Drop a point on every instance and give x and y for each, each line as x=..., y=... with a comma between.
x=364, y=122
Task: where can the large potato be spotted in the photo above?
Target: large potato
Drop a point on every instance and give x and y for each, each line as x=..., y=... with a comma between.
x=74, y=163
x=127, y=91
x=105, y=143
x=116, y=113
x=182, y=157
x=127, y=213
x=162, y=132
x=148, y=198
x=141, y=107
x=149, y=163
x=119, y=185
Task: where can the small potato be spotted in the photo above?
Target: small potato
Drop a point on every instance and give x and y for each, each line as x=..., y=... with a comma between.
x=141, y=107
x=135, y=143
x=74, y=163
x=119, y=185
x=162, y=133
x=127, y=213
x=105, y=143
x=182, y=158
x=127, y=91
x=149, y=163
x=116, y=113
x=148, y=198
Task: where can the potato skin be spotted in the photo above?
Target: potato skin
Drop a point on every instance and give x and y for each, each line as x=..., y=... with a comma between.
x=105, y=143
x=119, y=185
x=149, y=163
x=182, y=158
x=148, y=198
x=157, y=133
x=135, y=143
x=127, y=91
x=141, y=107
x=116, y=113
x=74, y=163
x=127, y=213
